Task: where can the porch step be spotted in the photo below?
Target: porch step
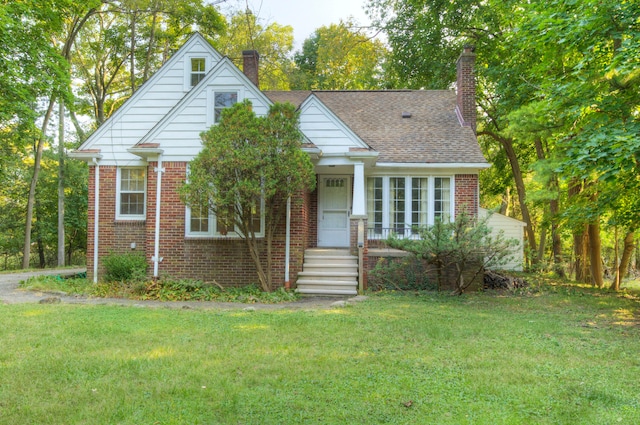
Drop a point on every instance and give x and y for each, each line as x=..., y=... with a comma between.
x=328, y=271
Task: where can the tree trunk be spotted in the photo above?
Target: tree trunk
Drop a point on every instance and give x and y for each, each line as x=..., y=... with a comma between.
x=623, y=267
x=595, y=246
x=556, y=242
x=32, y=189
x=61, y=238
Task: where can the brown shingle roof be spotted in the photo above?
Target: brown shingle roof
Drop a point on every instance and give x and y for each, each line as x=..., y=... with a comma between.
x=432, y=134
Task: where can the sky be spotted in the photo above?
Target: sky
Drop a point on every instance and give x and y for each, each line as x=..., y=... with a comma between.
x=305, y=16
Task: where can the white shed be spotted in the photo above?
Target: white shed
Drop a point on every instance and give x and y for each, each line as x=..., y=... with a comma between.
x=513, y=229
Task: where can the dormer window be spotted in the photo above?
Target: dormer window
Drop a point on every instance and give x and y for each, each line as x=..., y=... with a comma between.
x=197, y=70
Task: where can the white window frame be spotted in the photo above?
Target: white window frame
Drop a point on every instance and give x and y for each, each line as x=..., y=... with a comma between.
x=211, y=97
x=408, y=197
x=119, y=192
x=212, y=231
x=187, y=69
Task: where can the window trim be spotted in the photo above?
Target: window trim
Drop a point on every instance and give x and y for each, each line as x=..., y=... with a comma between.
x=187, y=69
x=211, y=97
x=212, y=231
x=119, y=215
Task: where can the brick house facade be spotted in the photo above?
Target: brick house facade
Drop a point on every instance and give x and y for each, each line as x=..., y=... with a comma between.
x=385, y=161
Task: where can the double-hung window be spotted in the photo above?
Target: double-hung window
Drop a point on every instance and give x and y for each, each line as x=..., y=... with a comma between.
x=402, y=204
x=131, y=193
x=202, y=222
x=198, y=70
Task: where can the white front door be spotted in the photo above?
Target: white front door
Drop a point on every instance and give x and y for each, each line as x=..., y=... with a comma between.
x=334, y=209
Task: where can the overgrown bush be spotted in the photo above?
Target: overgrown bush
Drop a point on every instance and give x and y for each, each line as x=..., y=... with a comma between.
x=124, y=267
x=196, y=290
x=459, y=251
x=405, y=273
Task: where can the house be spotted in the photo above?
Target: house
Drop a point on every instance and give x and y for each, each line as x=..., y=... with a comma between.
x=385, y=161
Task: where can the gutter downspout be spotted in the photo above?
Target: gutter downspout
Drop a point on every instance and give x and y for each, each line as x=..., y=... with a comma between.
x=287, y=246
x=156, y=253
x=96, y=219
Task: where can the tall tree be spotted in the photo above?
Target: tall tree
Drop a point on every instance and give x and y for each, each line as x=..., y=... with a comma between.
x=340, y=57
x=274, y=43
x=248, y=161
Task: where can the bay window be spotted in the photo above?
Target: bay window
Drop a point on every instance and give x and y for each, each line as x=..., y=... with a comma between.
x=401, y=204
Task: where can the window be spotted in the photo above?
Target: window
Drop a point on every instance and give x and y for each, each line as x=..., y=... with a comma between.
x=201, y=222
x=397, y=204
x=197, y=70
x=419, y=202
x=400, y=205
x=223, y=100
x=442, y=198
x=374, y=204
x=131, y=196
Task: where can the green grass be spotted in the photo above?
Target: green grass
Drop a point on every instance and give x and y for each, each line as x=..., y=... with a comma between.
x=561, y=355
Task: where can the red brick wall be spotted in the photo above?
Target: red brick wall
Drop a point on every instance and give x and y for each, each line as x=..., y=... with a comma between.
x=466, y=87
x=225, y=260
x=466, y=196
x=115, y=236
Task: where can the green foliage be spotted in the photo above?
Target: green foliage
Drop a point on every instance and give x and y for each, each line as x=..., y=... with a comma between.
x=247, y=160
x=194, y=290
x=124, y=267
x=339, y=57
x=466, y=246
x=274, y=43
x=406, y=274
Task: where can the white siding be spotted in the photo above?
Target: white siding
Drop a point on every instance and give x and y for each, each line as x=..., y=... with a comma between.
x=324, y=130
x=512, y=229
x=148, y=105
x=179, y=132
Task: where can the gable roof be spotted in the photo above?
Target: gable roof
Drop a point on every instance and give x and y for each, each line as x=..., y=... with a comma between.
x=433, y=133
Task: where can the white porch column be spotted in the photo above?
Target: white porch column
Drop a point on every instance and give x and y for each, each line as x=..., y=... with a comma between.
x=359, y=208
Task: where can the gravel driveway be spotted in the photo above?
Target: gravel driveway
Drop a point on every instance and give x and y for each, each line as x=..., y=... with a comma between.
x=11, y=294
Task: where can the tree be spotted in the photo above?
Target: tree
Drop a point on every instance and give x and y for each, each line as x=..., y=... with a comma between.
x=274, y=43
x=465, y=246
x=248, y=161
x=338, y=57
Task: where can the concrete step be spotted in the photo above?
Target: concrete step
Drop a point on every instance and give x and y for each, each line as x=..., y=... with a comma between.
x=327, y=251
x=316, y=282
x=330, y=259
x=318, y=291
x=337, y=268
x=330, y=275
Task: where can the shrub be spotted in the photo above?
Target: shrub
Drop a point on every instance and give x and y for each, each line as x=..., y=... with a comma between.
x=124, y=267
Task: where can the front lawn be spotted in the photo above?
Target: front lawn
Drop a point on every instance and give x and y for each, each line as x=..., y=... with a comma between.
x=562, y=355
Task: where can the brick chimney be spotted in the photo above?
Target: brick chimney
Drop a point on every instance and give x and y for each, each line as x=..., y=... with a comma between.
x=250, y=59
x=466, y=88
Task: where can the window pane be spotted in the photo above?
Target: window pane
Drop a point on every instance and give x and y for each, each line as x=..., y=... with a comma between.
x=199, y=219
x=256, y=222
x=397, y=203
x=442, y=198
x=374, y=203
x=197, y=70
x=419, y=202
x=132, y=203
x=223, y=100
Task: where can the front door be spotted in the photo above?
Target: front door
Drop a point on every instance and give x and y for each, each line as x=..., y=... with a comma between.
x=334, y=209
